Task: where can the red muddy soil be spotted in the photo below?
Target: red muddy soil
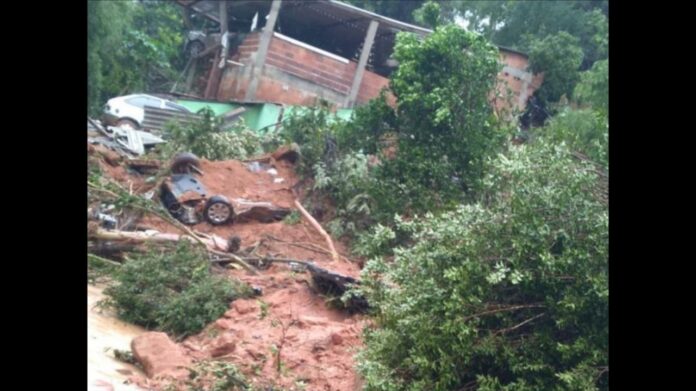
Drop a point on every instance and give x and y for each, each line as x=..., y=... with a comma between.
x=320, y=341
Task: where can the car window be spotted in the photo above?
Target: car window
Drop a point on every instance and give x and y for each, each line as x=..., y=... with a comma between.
x=174, y=106
x=138, y=101
x=154, y=102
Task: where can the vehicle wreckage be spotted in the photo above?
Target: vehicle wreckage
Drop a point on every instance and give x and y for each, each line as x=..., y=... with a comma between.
x=186, y=198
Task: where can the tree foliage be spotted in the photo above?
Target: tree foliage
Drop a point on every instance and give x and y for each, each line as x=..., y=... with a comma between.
x=559, y=57
x=510, y=293
x=171, y=290
x=368, y=124
x=593, y=88
x=443, y=129
x=132, y=46
x=429, y=14
x=446, y=125
x=314, y=129
x=525, y=25
x=107, y=22
x=585, y=131
x=209, y=139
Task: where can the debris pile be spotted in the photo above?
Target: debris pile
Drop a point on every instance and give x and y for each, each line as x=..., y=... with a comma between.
x=293, y=331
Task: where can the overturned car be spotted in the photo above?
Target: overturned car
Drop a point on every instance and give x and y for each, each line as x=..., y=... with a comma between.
x=186, y=198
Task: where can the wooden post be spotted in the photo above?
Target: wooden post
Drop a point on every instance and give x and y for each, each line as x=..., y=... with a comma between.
x=360, y=70
x=223, y=33
x=213, y=78
x=187, y=18
x=191, y=74
x=211, y=90
x=261, y=53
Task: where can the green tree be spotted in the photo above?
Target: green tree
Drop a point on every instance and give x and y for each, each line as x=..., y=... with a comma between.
x=446, y=126
x=106, y=25
x=528, y=25
x=593, y=88
x=428, y=15
x=528, y=21
x=482, y=17
x=510, y=293
x=132, y=47
x=559, y=57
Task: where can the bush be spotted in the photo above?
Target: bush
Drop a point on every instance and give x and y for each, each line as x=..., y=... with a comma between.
x=593, y=88
x=585, y=131
x=368, y=123
x=347, y=181
x=510, y=293
x=171, y=290
x=559, y=57
x=446, y=125
x=314, y=131
x=207, y=139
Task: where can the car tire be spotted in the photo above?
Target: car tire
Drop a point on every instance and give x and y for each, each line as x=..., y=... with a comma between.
x=195, y=48
x=218, y=210
x=127, y=124
x=182, y=161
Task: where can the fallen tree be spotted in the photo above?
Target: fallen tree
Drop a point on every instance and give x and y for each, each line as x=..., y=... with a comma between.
x=326, y=281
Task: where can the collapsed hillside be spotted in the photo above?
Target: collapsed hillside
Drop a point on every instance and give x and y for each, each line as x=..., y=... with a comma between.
x=316, y=341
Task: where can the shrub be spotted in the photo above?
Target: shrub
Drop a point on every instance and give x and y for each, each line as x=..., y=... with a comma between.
x=207, y=139
x=368, y=123
x=347, y=182
x=585, y=131
x=593, y=88
x=446, y=127
x=510, y=293
x=172, y=290
x=314, y=131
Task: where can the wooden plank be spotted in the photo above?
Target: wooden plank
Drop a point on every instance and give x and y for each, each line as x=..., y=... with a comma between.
x=211, y=87
x=262, y=51
x=360, y=70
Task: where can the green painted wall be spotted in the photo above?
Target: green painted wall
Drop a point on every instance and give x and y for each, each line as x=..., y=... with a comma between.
x=218, y=108
x=258, y=116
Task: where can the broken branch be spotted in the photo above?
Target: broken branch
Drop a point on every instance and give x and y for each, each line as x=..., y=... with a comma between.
x=318, y=227
x=159, y=237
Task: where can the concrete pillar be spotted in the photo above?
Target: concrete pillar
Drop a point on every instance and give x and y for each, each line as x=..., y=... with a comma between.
x=360, y=70
x=261, y=53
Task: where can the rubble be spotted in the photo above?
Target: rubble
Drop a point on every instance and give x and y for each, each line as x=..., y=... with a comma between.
x=127, y=142
x=297, y=297
x=160, y=356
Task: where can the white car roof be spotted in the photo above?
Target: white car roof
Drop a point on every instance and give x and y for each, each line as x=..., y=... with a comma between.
x=137, y=95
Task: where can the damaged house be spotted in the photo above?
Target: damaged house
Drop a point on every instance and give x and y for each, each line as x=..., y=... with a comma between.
x=293, y=52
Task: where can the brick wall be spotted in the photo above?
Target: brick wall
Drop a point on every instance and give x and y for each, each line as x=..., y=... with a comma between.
x=371, y=86
x=514, y=83
x=294, y=74
x=307, y=64
x=297, y=75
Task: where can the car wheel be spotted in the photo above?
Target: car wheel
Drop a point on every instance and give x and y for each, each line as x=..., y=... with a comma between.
x=218, y=210
x=170, y=202
x=195, y=48
x=182, y=161
x=126, y=123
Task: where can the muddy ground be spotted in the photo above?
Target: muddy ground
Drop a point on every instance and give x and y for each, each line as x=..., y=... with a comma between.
x=319, y=342
x=104, y=334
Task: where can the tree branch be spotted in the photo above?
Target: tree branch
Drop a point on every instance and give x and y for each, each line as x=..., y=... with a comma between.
x=503, y=331
x=504, y=309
